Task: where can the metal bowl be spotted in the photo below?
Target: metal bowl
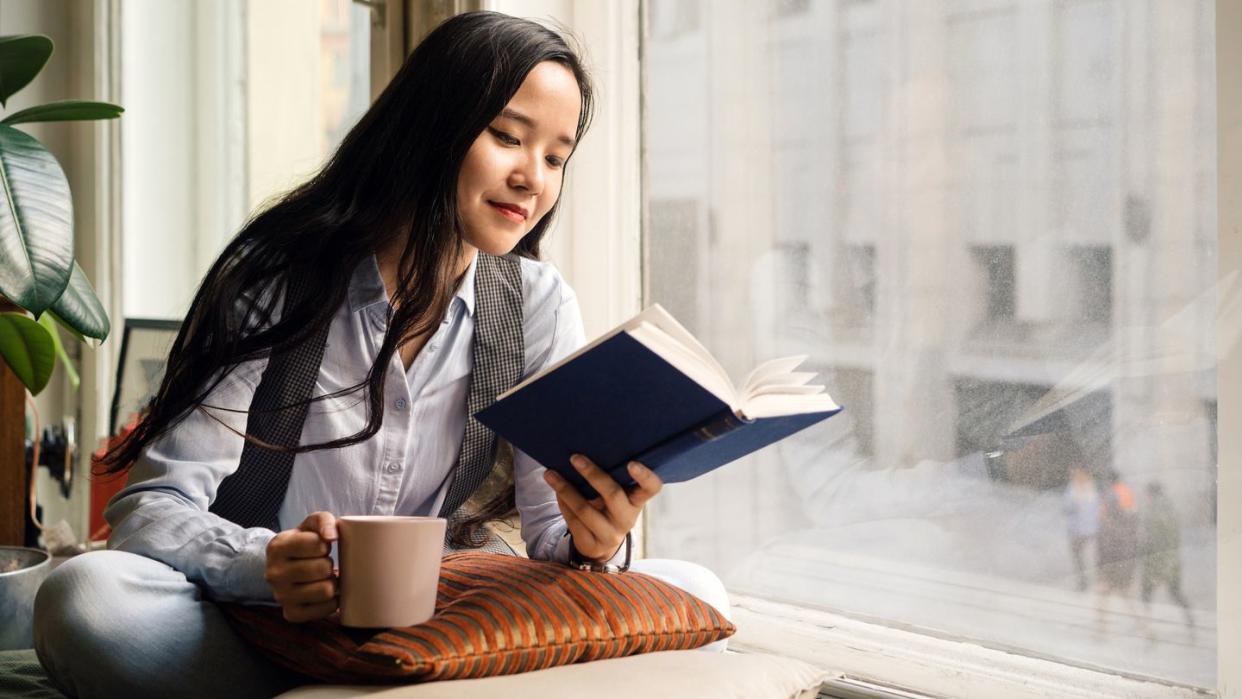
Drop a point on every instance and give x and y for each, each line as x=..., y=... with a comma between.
x=22, y=570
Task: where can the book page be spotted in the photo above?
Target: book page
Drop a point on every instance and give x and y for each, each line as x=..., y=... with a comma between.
x=776, y=405
x=774, y=389
x=797, y=378
x=769, y=369
x=785, y=390
x=662, y=319
x=685, y=361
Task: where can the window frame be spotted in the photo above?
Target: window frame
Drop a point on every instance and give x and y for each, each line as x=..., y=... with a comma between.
x=598, y=247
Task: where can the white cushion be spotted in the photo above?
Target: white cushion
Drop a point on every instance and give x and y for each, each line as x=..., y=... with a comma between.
x=674, y=673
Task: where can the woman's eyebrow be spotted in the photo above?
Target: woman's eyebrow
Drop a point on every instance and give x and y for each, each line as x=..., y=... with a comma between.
x=515, y=115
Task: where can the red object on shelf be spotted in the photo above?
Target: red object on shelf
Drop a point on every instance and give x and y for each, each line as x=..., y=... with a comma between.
x=103, y=487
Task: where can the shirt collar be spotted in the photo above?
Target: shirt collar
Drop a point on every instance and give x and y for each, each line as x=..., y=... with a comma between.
x=465, y=291
x=366, y=286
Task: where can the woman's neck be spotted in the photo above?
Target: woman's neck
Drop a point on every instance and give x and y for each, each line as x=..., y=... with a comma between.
x=389, y=257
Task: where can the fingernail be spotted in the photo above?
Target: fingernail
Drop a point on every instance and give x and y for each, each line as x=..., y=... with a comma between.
x=578, y=462
x=552, y=476
x=636, y=468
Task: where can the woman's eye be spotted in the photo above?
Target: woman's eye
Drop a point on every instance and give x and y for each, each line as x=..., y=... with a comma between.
x=503, y=137
x=555, y=161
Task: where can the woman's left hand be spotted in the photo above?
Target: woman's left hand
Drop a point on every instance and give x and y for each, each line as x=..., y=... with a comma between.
x=599, y=525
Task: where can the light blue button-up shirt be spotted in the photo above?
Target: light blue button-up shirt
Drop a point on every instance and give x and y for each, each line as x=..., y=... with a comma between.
x=402, y=470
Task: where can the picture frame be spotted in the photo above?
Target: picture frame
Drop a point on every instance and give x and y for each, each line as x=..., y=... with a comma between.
x=140, y=368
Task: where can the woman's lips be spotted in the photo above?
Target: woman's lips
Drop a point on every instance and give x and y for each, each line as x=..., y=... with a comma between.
x=509, y=213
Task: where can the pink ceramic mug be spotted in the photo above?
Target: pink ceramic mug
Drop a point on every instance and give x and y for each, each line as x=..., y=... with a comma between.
x=390, y=568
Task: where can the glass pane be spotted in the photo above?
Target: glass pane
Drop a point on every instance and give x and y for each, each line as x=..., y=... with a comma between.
x=227, y=103
x=345, y=73
x=992, y=226
x=310, y=74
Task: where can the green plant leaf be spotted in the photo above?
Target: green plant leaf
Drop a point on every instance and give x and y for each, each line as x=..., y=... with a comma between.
x=68, y=328
x=48, y=322
x=36, y=223
x=27, y=348
x=21, y=59
x=79, y=308
x=67, y=110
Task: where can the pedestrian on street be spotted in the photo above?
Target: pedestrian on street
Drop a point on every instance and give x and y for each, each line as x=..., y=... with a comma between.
x=1161, y=547
x=1082, y=510
x=1117, y=553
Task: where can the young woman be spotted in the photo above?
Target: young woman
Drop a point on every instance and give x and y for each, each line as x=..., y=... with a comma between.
x=328, y=366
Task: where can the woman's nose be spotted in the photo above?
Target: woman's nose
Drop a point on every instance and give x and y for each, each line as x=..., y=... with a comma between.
x=528, y=176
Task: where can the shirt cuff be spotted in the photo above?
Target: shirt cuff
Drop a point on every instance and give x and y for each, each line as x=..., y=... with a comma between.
x=247, y=582
x=561, y=552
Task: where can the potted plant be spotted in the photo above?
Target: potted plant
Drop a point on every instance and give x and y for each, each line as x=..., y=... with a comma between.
x=37, y=270
x=41, y=286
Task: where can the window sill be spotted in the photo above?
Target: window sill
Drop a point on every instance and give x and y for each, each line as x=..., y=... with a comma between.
x=902, y=663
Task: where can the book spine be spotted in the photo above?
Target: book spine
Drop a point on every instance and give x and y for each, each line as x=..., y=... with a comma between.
x=709, y=430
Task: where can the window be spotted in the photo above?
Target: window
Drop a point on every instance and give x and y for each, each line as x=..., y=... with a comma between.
x=1004, y=163
x=673, y=18
x=861, y=274
x=227, y=104
x=676, y=221
x=995, y=266
x=1093, y=282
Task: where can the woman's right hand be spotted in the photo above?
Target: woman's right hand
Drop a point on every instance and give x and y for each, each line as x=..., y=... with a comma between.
x=299, y=568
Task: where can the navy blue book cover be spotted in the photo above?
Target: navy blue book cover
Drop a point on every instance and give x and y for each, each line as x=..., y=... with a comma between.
x=620, y=400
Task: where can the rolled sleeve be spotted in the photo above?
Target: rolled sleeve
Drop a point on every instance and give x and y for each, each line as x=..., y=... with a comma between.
x=162, y=511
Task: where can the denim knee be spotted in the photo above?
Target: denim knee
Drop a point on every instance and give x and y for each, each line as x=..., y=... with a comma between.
x=111, y=623
x=691, y=577
x=695, y=579
x=70, y=613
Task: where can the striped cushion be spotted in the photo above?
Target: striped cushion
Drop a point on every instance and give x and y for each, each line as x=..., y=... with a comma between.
x=495, y=615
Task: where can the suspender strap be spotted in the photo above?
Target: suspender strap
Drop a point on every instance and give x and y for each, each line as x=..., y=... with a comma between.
x=499, y=357
x=252, y=495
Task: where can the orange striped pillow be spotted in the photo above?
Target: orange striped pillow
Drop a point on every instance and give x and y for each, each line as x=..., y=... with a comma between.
x=495, y=615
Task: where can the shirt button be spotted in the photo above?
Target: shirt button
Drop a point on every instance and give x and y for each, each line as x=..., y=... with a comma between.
x=432, y=348
x=400, y=404
x=394, y=467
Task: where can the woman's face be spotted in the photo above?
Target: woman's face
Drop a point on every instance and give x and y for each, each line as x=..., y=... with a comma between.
x=512, y=174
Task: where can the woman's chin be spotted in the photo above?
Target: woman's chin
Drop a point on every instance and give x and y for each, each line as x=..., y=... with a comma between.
x=497, y=245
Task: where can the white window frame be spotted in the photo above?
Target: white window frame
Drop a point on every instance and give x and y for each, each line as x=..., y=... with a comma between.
x=597, y=245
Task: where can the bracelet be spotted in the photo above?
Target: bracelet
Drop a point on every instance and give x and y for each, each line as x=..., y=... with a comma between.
x=576, y=560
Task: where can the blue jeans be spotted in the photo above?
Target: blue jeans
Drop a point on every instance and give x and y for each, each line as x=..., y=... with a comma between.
x=111, y=624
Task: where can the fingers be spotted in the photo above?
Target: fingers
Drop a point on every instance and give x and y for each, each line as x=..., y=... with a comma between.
x=312, y=538
x=576, y=527
x=596, y=523
x=322, y=523
x=299, y=568
x=304, y=570
x=648, y=484
x=309, y=612
x=604, y=484
x=588, y=541
x=293, y=543
x=307, y=594
x=309, y=601
x=599, y=545
x=568, y=498
x=306, y=589
x=584, y=519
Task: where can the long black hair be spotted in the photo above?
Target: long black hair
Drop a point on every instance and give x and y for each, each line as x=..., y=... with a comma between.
x=394, y=175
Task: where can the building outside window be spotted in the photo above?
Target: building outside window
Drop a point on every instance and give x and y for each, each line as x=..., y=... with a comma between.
x=1035, y=186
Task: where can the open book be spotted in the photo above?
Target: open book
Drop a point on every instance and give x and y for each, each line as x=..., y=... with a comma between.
x=648, y=391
